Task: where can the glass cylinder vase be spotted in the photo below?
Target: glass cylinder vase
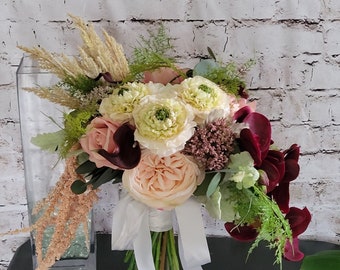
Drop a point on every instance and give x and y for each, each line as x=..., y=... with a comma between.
x=43, y=169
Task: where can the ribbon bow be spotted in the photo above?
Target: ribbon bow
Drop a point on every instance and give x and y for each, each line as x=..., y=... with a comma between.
x=133, y=220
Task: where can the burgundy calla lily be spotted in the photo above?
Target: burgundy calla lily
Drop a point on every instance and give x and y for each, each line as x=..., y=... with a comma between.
x=274, y=172
x=242, y=113
x=129, y=153
x=299, y=220
x=291, y=163
x=260, y=126
x=280, y=192
x=281, y=195
x=249, y=142
x=292, y=251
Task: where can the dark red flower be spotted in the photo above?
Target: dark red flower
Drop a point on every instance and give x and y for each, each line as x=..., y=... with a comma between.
x=278, y=168
x=256, y=139
x=242, y=113
x=281, y=195
x=298, y=219
x=244, y=233
x=274, y=167
x=280, y=192
x=292, y=251
x=128, y=154
x=292, y=168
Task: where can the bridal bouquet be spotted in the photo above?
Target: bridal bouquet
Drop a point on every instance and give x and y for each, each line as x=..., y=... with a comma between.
x=177, y=139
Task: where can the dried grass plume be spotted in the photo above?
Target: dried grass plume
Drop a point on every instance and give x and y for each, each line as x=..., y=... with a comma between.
x=95, y=56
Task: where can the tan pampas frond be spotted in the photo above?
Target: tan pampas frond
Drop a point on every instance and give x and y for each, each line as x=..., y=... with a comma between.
x=60, y=65
x=56, y=94
x=95, y=56
x=65, y=211
x=108, y=56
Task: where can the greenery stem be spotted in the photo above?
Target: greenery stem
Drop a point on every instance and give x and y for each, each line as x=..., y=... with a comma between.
x=173, y=257
x=163, y=250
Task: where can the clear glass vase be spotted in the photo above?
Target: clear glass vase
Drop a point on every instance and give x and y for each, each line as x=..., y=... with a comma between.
x=43, y=168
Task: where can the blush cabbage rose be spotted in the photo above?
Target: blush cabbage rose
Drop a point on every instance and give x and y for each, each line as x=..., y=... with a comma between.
x=162, y=182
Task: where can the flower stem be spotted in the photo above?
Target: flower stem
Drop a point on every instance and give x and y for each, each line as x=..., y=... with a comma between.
x=155, y=236
x=163, y=250
x=173, y=257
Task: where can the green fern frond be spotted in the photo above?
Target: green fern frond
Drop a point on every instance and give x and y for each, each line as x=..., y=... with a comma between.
x=253, y=205
x=275, y=229
x=80, y=83
x=151, y=54
x=74, y=127
x=228, y=77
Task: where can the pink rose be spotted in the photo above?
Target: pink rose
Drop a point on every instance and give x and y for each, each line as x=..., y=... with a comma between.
x=99, y=135
x=163, y=182
x=163, y=75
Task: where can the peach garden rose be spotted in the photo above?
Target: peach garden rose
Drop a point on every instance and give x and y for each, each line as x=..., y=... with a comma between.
x=163, y=182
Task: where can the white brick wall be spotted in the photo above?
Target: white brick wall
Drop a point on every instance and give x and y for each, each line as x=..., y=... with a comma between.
x=296, y=81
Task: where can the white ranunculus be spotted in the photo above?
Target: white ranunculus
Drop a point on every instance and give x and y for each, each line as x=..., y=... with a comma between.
x=120, y=104
x=163, y=124
x=205, y=97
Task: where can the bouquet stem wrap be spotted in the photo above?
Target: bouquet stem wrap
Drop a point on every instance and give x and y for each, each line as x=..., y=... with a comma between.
x=132, y=222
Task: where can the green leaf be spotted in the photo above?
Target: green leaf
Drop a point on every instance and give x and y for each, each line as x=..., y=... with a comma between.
x=82, y=157
x=205, y=67
x=78, y=187
x=325, y=260
x=49, y=141
x=108, y=175
x=213, y=184
x=213, y=204
x=211, y=53
x=86, y=167
x=201, y=190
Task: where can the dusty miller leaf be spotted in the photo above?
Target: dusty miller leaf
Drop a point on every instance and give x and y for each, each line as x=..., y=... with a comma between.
x=49, y=141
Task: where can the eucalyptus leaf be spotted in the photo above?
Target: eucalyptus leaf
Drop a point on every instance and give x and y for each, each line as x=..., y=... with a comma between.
x=108, y=175
x=86, y=167
x=213, y=184
x=82, y=157
x=201, y=190
x=205, y=67
x=78, y=187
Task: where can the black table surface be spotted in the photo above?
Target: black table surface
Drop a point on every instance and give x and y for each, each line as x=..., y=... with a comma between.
x=226, y=254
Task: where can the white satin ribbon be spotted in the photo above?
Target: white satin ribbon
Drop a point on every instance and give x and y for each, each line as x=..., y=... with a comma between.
x=160, y=220
x=133, y=220
x=192, y=241
x=130, y=230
